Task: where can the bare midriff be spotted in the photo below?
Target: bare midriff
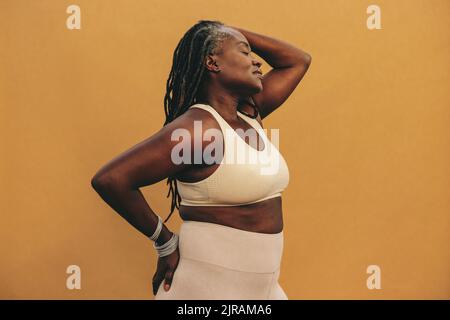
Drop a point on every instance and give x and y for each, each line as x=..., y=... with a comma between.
x=263, y=217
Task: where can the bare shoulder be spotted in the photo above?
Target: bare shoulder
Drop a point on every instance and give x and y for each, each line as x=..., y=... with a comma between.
x=190, y=121
x=158, y=156
x=197, y=114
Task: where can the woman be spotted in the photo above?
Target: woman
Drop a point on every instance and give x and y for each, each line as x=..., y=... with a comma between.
x=231, y=239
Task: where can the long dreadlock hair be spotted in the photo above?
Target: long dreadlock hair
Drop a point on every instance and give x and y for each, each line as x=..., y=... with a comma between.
x=186, y=76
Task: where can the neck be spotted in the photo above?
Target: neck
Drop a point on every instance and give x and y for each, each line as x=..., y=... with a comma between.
x=223, y=101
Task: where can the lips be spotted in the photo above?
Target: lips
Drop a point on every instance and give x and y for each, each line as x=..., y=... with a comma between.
x=258, y=75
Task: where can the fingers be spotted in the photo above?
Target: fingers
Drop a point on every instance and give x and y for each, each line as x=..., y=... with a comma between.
x=173, y=265
x=168, y=279
x=157, y=278
x=165, y=271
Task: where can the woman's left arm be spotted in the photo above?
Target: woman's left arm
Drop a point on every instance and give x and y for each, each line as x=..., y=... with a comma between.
x=289, y=65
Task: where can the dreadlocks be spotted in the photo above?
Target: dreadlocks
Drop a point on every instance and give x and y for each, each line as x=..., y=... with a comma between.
x=186, y=76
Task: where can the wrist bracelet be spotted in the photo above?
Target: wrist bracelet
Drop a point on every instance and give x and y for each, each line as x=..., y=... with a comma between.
x=168, y=247
x=158, y=229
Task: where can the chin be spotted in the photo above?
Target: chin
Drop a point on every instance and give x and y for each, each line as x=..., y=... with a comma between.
x=252, y=88
x=258, y=89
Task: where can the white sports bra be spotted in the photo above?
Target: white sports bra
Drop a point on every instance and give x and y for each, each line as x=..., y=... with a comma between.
x=235, y=182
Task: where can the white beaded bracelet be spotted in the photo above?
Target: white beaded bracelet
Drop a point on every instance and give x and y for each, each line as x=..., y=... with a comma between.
x=168, y=247
x=158, y=229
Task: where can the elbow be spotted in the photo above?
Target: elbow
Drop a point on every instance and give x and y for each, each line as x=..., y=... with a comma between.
x=100, y=182
x=306, y=59
x=309, y=59
x=108, y=183
x=302, y=60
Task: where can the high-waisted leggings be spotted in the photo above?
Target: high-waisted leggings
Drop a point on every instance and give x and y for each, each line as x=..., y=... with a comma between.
x=218, y=262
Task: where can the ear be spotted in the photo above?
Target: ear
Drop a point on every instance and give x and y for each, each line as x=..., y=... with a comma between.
x=211, y=64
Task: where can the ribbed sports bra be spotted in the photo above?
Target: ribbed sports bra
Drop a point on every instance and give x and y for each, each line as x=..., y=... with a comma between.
x=245, y=175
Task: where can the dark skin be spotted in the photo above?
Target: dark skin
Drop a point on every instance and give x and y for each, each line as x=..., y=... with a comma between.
x=231, y=85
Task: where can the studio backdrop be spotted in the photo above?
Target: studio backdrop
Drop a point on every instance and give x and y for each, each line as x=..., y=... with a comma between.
x=366, y=136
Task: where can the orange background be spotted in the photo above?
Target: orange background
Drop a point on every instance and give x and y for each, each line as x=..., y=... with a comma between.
x=366, y=136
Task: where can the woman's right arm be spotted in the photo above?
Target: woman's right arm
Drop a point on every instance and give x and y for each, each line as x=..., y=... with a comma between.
x=146, y=163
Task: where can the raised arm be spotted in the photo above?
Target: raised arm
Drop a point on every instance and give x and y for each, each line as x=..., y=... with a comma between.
x=289, y=65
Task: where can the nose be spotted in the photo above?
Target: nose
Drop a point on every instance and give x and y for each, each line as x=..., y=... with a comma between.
x=257, y=63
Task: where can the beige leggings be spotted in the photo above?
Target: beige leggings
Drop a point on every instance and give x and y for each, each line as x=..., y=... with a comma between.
x=221, y=263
